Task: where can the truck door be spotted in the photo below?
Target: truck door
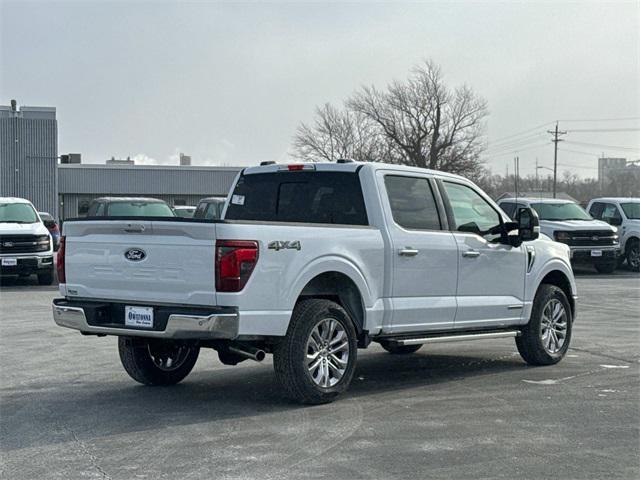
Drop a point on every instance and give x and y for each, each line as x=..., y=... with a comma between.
x=491, y=275
x=424, y=257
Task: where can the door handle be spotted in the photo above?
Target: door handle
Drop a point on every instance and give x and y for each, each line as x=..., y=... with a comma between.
x=408, y=252
x=471, y=253
x=131, y=228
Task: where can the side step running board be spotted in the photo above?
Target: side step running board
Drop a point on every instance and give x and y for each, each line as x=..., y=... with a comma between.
x=455, y=338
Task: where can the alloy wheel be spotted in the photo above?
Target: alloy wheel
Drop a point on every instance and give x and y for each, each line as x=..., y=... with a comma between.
x=327, y=353
x=553, y=328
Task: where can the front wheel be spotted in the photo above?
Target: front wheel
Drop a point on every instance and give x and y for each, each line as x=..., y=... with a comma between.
x=633, y=256
x=157, y=362
x=545, y=339
x=316, y=360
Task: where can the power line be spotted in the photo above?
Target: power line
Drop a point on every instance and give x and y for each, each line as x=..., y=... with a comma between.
x=515, y=144
x=620, y=119
x=523, y=132
x=590, y=154
x=517, y=150
x=604, y=130
x=600, y=145
x=515, y=140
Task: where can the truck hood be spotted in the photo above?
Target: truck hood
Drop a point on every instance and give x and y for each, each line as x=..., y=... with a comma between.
x=9, y=228
x=573, y=225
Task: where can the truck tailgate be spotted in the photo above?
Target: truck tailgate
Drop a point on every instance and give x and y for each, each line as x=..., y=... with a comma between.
x=141, y=261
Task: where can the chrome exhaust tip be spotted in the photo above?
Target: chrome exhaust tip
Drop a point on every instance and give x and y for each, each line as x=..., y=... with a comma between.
x=248, y=352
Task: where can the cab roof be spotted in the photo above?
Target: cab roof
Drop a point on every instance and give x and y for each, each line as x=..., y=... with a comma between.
x=348, y=166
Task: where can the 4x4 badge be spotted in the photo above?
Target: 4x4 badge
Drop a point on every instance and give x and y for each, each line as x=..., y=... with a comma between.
x=281, y=245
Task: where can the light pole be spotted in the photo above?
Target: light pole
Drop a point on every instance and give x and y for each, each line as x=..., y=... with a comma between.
x=538, y=167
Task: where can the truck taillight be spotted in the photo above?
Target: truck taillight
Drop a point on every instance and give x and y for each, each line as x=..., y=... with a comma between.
x=60, y=261
x=235, y=260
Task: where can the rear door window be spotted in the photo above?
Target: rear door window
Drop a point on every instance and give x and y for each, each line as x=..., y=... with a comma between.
x=412, y=202
x=299, y=197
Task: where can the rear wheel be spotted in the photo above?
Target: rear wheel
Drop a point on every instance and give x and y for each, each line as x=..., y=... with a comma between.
x=633, y=255
x=545, y=339
x=316, y=360
x=400, y=349
x=608, y=267
x=157, y=362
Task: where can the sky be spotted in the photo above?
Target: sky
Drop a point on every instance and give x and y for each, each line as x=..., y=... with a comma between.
x=228, y=83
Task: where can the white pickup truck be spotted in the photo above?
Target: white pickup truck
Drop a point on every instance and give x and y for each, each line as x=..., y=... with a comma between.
x=312, y=262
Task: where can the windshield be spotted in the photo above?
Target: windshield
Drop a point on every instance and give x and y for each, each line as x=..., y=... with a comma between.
x=17, y=213
x=185, y=212
x=560, y=211
x=631, y=210
x=139, y=209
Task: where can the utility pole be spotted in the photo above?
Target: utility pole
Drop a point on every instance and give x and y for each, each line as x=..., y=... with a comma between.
x=537, y=184
x=556, y=138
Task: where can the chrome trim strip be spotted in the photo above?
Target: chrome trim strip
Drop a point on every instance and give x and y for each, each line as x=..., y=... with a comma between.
x=179, y=326
x=519, y=306
x=457, y=338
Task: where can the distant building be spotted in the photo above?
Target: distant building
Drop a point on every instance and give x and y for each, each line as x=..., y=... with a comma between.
x=29, y=155
x=116, y=161
x=185, y=160
x=607, y=167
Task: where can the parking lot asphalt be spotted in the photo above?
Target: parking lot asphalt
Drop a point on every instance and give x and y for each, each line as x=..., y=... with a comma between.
x=469, y=410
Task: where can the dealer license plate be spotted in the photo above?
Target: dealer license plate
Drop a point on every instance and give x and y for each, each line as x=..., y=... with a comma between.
x=138, y=316
x=596, y=253
x=9, y=262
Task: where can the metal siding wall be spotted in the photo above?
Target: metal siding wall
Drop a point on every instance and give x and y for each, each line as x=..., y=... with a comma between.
x=145, y=181
x=28, y=161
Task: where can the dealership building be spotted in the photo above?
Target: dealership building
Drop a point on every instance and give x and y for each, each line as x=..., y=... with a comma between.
x=30, y=168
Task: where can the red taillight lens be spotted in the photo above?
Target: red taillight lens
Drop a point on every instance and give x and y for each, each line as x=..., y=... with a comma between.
x=235, y=260
x=60, y=262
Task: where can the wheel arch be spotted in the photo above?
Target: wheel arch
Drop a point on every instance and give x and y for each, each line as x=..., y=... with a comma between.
x=560, y=279
x=342, y=289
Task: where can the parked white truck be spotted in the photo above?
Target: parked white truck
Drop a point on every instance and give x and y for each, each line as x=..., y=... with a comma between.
x=312, y=262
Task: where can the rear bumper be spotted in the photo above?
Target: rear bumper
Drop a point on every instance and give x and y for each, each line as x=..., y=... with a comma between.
x=174, y=323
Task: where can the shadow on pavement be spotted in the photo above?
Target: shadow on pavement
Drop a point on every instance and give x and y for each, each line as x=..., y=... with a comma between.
x=94, y=410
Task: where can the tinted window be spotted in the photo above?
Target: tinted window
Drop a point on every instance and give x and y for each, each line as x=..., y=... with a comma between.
x=471, y=212
x=307, y=197
x=596, y=210
x=610, y=212
x=139, y=209
x=631, y=210
x=412, y=203
x=509, y=208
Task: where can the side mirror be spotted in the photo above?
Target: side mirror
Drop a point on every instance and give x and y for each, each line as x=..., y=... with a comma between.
x=528, y=224
x=615, y=221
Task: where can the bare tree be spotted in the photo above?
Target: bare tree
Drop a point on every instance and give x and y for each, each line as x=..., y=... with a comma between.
x=338, y=134
x=418, y=122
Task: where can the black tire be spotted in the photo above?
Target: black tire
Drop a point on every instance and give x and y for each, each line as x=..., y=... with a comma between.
x=400, y=349
x=137, y=360
x=633, y=255
x=290, y=354
x=608, y=267
x=45, y=278
x=530, y=342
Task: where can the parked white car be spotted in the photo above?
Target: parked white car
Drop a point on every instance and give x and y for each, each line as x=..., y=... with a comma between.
x=591, y=241
x=26, y=246
x=312, y=262
x=623, y=213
